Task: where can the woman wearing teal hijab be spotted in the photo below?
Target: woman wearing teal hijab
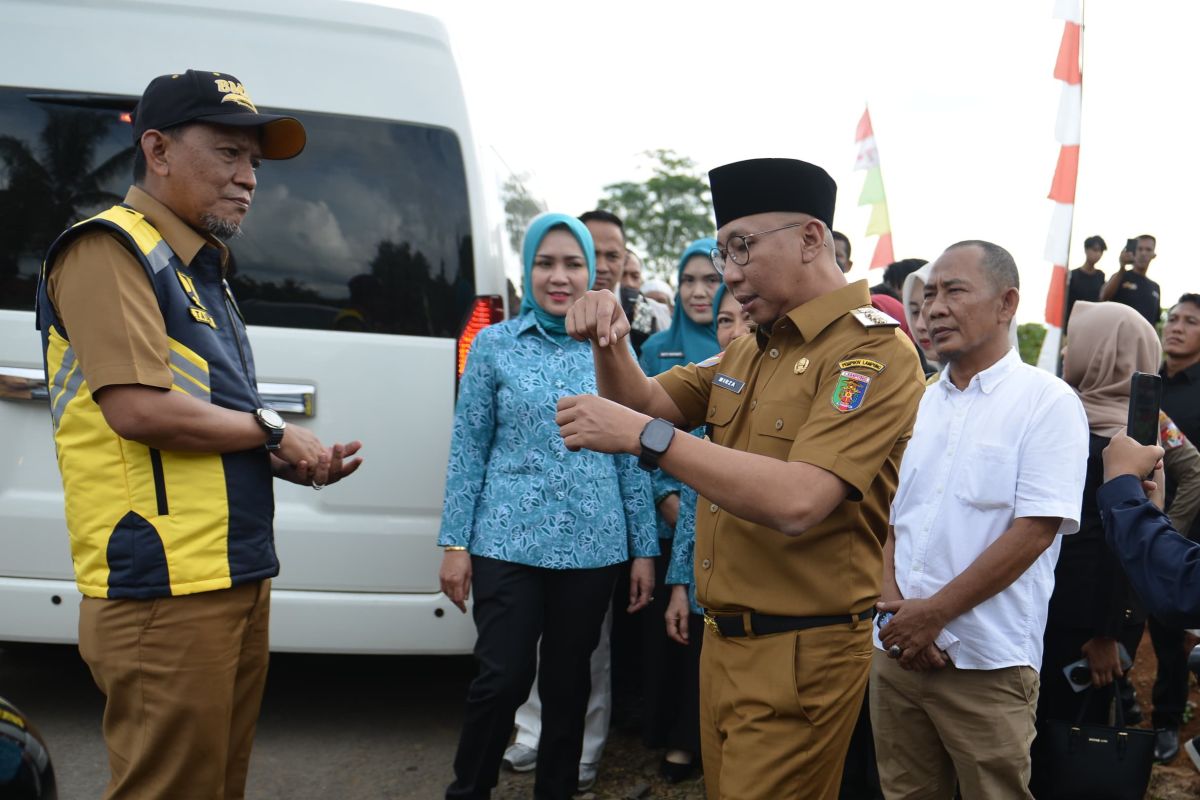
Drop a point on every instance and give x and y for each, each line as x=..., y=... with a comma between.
x=535, y=532
x=670, y=718
x=692, y=336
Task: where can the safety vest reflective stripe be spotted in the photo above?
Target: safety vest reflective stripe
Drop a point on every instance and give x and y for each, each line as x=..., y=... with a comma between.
x=149, y=523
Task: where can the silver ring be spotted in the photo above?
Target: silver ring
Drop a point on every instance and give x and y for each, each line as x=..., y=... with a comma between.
x=894, y=651
x=317, y=486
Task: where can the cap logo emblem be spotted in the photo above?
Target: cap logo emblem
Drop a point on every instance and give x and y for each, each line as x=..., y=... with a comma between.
x=234, y=93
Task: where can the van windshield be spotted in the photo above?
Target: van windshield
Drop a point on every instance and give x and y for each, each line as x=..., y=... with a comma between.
x=368, y=229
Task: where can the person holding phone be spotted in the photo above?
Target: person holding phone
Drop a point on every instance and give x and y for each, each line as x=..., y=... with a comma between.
x=1132, y=287
x=1162, y=566
x=1180, y=400
x=1092, y=607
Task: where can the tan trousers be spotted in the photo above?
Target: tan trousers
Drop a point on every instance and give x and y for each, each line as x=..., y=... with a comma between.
x=777, y=712
x=970, y=725
x=184, y=679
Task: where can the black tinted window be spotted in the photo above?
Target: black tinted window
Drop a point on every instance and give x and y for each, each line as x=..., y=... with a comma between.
x=368, y=229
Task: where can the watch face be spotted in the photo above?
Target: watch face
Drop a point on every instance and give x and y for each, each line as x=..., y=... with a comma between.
x=271, y=417
x=657, y=436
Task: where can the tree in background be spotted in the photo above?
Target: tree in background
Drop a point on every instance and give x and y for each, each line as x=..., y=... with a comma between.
x=1029, y=341
x=664, y=213
x=520, y=207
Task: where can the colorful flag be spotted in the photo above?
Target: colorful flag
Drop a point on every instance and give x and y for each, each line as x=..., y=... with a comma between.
x=872, y=192
x=1068, y=69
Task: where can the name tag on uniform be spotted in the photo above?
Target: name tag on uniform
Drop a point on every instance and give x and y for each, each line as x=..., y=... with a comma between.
x=671, y=354
x=732, y=384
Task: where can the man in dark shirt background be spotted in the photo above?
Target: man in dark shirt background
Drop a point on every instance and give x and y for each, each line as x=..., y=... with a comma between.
x=1132, y=286
x=1181, y=371
x=1086, y=282
x=1181, y=401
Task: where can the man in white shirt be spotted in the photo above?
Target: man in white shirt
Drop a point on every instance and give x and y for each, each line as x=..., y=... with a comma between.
x=993, y=474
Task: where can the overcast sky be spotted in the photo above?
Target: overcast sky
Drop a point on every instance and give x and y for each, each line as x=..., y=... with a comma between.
x=962, y=98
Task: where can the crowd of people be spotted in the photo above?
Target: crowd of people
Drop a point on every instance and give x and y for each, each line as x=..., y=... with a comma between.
x=923, y=478
x=816, y=539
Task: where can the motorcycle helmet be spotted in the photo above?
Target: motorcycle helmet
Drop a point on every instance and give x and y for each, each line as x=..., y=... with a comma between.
x=25, y=769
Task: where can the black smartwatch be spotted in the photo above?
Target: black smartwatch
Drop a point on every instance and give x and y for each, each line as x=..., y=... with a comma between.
x=656, y=438
x=273, y=424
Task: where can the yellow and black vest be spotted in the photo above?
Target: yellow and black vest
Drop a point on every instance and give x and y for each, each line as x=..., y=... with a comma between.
x=149, y=523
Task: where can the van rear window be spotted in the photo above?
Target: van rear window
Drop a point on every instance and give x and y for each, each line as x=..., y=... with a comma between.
x=368, y=229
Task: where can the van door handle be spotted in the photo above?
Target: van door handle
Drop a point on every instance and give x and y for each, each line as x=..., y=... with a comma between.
x=299, y=399
x=22, y=383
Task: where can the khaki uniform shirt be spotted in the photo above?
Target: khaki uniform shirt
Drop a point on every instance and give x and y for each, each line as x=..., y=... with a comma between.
x=835, y=385
x=104, y=299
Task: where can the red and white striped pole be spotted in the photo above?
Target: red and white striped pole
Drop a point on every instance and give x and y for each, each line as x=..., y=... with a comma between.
x=1067, y=69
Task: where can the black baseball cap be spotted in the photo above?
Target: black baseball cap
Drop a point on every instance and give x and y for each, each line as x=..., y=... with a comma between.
x=216, y=97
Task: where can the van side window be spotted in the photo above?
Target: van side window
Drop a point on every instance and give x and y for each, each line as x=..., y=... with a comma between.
x=367, y=230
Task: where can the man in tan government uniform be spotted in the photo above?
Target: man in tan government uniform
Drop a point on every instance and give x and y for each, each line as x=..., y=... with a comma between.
x=809, y=419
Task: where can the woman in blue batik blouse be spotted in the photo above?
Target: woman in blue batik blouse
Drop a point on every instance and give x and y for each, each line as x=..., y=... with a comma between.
x=536, y=531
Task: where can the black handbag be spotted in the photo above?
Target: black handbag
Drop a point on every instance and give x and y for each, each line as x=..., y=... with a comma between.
x=1097, y=762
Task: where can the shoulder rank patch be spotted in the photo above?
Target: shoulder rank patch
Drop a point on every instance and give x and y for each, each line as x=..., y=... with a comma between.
x=200, y=315
x=861, y=363
x=726, y=382
x=850, y=390
x=712, y=362
x=872, y=317
x=1169, y=434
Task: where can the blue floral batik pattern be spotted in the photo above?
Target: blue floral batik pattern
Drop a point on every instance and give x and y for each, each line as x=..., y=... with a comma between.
x=682, y=569
x=513, y=490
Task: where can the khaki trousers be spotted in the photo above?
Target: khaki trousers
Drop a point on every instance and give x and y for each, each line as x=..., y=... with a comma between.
x=970, y=725
x=777, y=712
x=184, y=678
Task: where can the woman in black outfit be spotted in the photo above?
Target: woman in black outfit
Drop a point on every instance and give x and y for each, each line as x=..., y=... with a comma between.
x=1092, y=604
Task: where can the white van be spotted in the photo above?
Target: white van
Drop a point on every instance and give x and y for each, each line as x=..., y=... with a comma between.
x=366, y=267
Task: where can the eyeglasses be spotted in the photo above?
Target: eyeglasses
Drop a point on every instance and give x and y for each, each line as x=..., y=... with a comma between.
x=739, y=248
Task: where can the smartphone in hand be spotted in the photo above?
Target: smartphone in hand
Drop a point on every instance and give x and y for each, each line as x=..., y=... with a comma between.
x=1079, y=673
x=1145, y=398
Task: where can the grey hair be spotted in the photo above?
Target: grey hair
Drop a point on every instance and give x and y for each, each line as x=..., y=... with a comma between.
x=997, y=262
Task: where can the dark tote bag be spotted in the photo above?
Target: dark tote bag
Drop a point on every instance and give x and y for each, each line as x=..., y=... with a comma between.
x=1097, y=762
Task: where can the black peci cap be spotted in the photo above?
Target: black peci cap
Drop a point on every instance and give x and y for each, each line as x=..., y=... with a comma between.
x=196, y=96
x=764, y=185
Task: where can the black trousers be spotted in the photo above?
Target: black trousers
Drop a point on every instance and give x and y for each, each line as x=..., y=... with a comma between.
x=514, y=606
x=670, y=671
x=1171, y=683
x=860, y=775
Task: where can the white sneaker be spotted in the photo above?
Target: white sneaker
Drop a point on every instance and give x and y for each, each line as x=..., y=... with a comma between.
x=520, y=758
x=587, y=776
x=1192, y=748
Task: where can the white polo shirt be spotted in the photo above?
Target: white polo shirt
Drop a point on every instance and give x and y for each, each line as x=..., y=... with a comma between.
x=1013, y=444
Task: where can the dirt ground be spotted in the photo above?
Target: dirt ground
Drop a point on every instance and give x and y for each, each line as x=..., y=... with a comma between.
x=1179, y=779
x=630, y=772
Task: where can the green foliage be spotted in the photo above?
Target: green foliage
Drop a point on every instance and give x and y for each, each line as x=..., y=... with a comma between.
x=520, y=207
x=1029, y=341
x=664, y=213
